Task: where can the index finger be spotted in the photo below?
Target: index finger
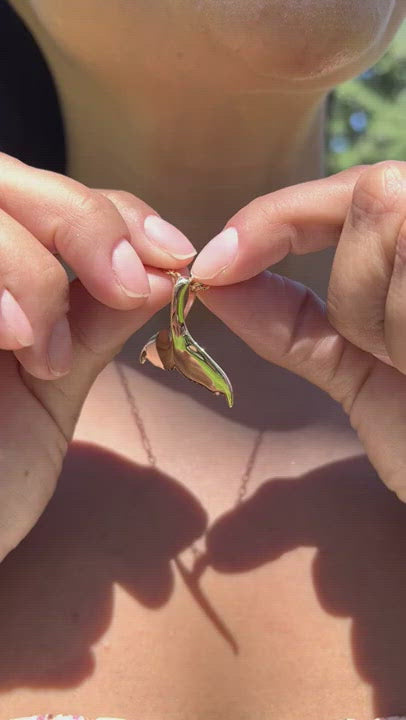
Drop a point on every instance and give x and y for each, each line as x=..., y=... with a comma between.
x=298, y=219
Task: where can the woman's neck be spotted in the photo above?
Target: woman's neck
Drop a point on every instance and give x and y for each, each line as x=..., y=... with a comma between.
x=195, y=158
x=195, y=146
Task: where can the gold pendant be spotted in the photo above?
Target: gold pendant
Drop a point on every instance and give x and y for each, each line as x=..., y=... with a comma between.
x=176, y=349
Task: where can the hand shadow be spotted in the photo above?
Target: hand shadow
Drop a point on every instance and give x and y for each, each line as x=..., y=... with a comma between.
x=108, y=521
x=359, y=528
x=113, y=521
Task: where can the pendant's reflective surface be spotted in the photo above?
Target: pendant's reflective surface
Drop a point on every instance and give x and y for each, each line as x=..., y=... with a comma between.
x=176, y=349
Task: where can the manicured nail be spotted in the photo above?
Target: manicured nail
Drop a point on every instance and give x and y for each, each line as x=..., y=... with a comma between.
x=168, y=238
x=60, y=356
x=129, y=270
x=16, y=319
x=218, y=255
x=393, y=181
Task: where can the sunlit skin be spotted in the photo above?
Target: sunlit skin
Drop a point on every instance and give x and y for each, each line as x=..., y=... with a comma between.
x=198, y=109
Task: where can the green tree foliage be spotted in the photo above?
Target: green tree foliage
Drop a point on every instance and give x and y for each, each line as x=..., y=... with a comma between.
x=367, y=115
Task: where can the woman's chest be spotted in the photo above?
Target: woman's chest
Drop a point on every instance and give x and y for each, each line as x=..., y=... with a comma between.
x=243, y=576
x=260, y=572
x=276, y=434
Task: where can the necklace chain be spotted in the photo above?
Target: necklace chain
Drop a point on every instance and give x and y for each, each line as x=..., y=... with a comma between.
x=146, y=443
x=137, y=417
x=194, y=286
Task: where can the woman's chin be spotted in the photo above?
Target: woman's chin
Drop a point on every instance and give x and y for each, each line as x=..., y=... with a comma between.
x=327, y=40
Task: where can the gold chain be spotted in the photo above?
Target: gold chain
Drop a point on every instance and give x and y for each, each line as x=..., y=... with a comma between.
x=137, y=417
x=194, y=286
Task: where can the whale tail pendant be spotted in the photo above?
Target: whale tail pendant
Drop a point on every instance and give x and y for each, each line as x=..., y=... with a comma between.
x=176, y=349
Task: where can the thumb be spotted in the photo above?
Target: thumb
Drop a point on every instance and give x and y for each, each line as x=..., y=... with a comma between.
x=98, y=334
x=286, y=323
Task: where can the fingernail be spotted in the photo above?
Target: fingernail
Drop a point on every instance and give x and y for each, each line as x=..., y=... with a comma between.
x=16, y=319
x=60, y=348
x=393, y=181
x=129, y=270
x=168, y=238
x=218, y=255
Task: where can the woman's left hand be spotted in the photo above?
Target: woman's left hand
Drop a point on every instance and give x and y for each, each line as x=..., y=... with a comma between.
x=354, y=345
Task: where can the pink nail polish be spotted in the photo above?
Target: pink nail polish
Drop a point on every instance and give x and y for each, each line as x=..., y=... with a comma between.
x=168, y=238
x=15, y=319
x=129, y=270
x=60, y=350
x=218, y=255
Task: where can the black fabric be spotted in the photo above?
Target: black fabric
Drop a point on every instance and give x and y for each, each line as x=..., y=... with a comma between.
x=31, y=123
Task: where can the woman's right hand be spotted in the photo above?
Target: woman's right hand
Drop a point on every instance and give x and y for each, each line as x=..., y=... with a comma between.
x=48, y=324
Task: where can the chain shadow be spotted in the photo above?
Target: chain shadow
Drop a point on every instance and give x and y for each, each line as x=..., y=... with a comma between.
x=113, y=521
